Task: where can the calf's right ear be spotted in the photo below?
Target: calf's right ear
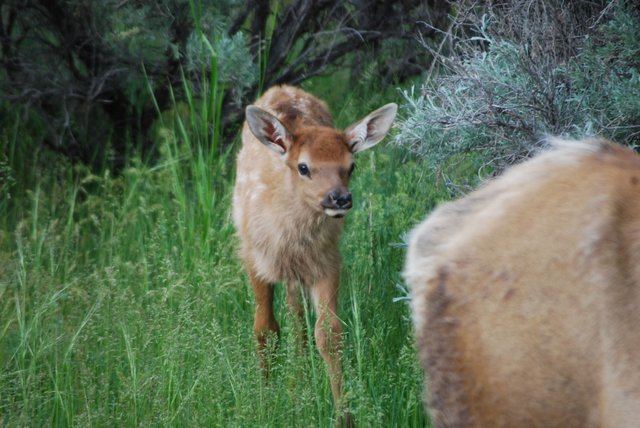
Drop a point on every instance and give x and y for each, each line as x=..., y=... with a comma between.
x=268, y=130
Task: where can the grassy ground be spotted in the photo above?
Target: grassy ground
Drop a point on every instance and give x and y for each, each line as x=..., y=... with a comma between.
x=122, y=302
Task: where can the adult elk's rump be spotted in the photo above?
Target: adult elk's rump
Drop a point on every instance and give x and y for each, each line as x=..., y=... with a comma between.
x=526, y=294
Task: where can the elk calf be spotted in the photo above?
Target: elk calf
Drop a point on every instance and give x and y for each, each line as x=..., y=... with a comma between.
x=526, y=295
x=290, y=195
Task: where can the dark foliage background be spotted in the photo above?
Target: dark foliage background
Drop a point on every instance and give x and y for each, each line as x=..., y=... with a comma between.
x=93, y=77
x=96, y=74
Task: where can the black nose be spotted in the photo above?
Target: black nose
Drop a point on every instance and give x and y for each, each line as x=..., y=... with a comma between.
x=337, y=199
x=344, y=200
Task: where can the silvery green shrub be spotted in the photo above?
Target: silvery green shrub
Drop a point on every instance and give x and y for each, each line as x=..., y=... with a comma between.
x=497, y=97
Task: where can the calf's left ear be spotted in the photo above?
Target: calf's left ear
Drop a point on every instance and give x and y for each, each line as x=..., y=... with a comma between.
x=369, y=131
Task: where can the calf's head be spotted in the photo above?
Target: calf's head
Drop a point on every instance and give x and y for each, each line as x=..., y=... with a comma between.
x=320, y=158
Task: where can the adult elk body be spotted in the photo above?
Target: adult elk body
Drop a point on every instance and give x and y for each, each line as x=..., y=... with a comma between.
x=526, y=295
x=290, y=195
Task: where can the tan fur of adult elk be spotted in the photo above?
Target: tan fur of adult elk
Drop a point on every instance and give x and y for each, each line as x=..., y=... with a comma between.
x=289, y=199
x=526, y=294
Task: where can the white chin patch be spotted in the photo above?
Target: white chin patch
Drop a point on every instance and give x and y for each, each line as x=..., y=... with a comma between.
x=335, y=213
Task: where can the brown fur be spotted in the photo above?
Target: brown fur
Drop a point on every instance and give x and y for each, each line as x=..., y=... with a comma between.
x=285, y=232
x=526, y=295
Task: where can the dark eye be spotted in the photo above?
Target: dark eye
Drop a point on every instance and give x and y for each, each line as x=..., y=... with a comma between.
x=303, y=169
x=353, y=166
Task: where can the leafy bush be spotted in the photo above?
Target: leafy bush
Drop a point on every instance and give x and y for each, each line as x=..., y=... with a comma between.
x=503, y=88
x=91, y=69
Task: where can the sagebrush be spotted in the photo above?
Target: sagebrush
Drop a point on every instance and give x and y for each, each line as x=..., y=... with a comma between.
x=502, y=88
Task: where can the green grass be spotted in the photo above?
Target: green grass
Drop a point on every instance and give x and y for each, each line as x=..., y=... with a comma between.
x=122, y=302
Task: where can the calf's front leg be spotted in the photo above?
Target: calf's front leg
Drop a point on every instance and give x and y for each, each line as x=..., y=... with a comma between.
x=328, y=330
x=294, y=292
x=264, y=323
